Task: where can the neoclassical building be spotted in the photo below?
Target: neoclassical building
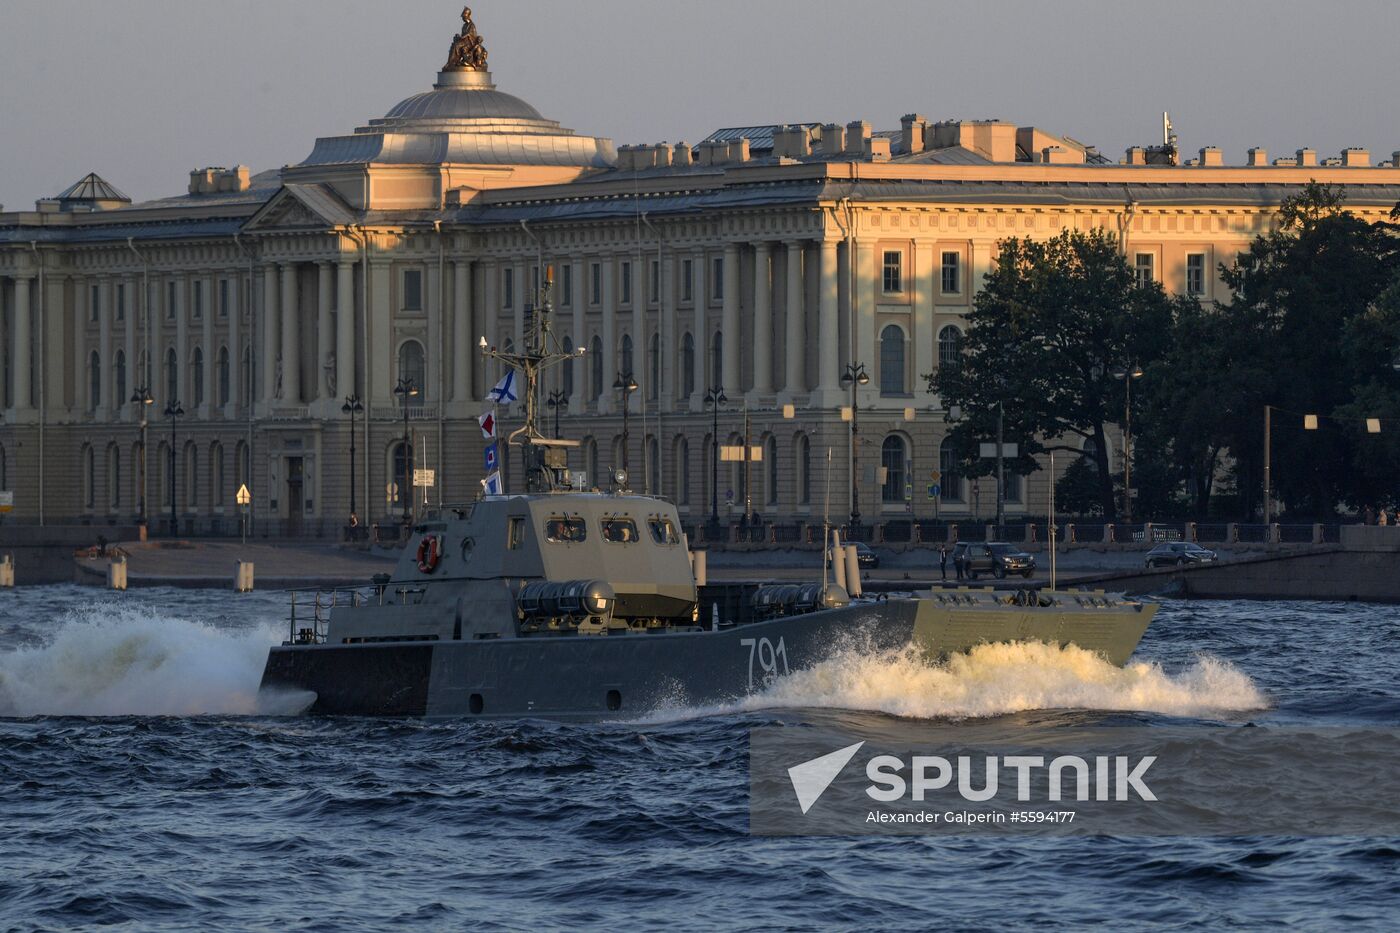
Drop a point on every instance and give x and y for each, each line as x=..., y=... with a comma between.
x=765, y=261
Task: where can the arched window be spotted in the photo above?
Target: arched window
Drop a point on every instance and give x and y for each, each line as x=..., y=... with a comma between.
x=892, y=361
x=197, y=375
x=402, y=472
x=626, y=368
x=566, y=372
x=246, y=377
x=707, y=471
x=804, y=470
x=241, y=464
x=949, y=347
x=654, y=368
x=172, y=377
x=770, y=469
x=687, y=366
x=94, y=381
x=114, y=477
x=191, y=477
x=894, y=457
x=89, y=477
x=654, y=465
x=590, y=460
x=411, y=366
x=1090, y=451
x=138, y=495
x=223, y=376
x=595, y=388
x=143, y=372
x=717, y=361
x=218, y=495
x=1015, y=486
x=682, y=457
x=167, y=474
x=954, y=486
x=119, y=372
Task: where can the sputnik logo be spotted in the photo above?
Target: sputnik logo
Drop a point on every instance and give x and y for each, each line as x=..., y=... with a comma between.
x=811, y=778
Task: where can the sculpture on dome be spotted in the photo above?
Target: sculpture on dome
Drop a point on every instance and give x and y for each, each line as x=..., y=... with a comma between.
x=468, y=52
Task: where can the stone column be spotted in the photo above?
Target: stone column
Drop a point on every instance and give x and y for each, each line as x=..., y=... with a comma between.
x=291, y=334
x=270, y=327
x=463, y=349
x=925, y=282
x=235, y=343
x=211, y=351
x=865, y=349
x=518, y=301
x=345, y=328
x=82, y=312
x=182, y=338
x=608, y=271
x=731, y=377
x=828, y=326
x=432, y=346
x=20, y=345
x=324, y=347
x=104, y=345
x=762, y=319
x=133, y=374
x=637, y=400
x=666, y=313
x=794, y=375
x=699, y=282
x=581, y=364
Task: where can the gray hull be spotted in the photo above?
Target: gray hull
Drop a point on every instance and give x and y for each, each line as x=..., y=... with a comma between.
x=631, y=675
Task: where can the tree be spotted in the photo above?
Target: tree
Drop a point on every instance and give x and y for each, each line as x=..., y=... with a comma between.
x=1052, y=322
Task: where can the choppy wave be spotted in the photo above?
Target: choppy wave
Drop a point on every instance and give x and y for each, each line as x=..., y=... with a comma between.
x=112, y=660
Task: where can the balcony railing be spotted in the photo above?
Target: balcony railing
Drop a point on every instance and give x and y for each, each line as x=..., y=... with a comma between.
x=426, y=411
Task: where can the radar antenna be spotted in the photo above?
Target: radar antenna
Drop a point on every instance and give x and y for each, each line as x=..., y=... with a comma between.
x=545, y=458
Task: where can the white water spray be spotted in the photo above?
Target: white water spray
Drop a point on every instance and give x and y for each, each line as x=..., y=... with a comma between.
x=127, y=660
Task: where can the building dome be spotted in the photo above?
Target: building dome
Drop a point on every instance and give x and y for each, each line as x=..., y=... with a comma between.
x=472, y=102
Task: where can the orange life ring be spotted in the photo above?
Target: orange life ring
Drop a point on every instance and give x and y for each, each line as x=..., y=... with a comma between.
x=429, y=553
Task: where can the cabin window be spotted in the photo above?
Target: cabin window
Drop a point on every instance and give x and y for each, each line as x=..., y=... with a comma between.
x=663, y=532
x=565, y=530
x=620, y=530
x=515, y=535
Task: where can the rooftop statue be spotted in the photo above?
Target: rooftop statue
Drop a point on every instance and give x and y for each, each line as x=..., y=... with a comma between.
x=468, y=52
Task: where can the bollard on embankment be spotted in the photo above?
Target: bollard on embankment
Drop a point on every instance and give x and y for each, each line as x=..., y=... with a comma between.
x=243, y=577
x=7, y=571
x=116, y=574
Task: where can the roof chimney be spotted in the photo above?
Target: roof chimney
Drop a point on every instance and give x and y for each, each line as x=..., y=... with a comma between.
x=857, y=133
x=680, y=155
x=913, y=125
x=833, y=139
x=1211, y=155
x=1354, y=157
x=1307, y=156
x=1258, y=156
x=1136, y=155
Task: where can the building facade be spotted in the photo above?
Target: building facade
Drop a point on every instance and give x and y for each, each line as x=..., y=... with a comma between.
x=766, y=262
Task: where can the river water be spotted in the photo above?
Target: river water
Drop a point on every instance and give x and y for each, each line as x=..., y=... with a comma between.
x=140, y=783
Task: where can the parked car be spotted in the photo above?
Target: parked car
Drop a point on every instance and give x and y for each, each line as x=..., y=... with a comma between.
x=865, y=557
x=997, y=558
x=1179, y=554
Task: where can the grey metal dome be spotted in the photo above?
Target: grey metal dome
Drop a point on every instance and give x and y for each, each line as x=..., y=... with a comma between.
x=462, y=104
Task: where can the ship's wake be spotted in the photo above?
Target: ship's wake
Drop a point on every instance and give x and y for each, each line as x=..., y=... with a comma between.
x=999, y=679
x=125, y=661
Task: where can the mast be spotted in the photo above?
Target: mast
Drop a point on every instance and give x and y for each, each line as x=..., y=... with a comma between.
x=545, y=459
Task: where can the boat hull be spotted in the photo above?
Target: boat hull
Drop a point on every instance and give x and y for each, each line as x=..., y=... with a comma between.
x=594, y=677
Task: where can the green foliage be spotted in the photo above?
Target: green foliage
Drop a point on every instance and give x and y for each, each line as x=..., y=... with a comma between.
x=1077, y=489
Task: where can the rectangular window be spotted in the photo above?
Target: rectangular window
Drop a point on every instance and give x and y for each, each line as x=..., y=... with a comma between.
x=94, y=303
x=515, y=534
x=892, y=281
x=626, y=283
x=412, y=290
x=1142, y=264
x=595, y=288
x=508, y=288
x=1196, y=274
x=687, y=280
x=197, y=300
x=223, y=297
x=170, y=300
x=121, y=302
x=952, y=273
x=654, y=288
x=566, y=286
x=717, y=287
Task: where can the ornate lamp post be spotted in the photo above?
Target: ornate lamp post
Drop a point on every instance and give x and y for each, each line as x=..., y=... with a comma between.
x=558, y=400
x=1127, y=374
x=406, y=390
x=853, y=378
x=142, y=397
x=174, y=412
x=626, y=385
x=714, y=398
x=352, y=407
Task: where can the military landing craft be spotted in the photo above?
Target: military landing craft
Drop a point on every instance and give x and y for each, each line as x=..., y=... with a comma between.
x=568, y=602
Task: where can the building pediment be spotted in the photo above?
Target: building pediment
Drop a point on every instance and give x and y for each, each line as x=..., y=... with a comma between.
x=299, y=207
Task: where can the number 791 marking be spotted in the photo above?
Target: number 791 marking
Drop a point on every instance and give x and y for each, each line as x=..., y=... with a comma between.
x=768, y=657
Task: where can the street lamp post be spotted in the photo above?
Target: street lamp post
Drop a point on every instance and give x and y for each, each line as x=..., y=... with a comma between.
x=174, y=412
x=626, y=385
x=853, y=378
x=558, y=400
x=1127, y=374
x=142, y=397
x=406, y=390
x=714, y=398
x=352, y=407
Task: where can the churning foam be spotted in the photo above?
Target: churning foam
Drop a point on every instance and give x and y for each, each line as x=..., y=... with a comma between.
x=992, y=680
x=117, y=661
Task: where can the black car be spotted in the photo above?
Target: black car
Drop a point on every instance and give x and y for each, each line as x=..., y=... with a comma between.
x=1179, y=554
x=865, y=557
x=997, y=558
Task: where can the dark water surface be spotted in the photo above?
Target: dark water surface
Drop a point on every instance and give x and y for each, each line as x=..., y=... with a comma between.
x=140, y=784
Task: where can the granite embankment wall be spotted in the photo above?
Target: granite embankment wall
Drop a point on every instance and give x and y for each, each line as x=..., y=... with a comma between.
x=45, y=554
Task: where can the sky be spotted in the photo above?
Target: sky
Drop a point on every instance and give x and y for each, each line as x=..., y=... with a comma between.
x=143, y=91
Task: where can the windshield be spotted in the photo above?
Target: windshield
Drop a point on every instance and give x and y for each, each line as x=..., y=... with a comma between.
x=569, y=530
x=619, y=530
x=1002, y=549
x=663, y=532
